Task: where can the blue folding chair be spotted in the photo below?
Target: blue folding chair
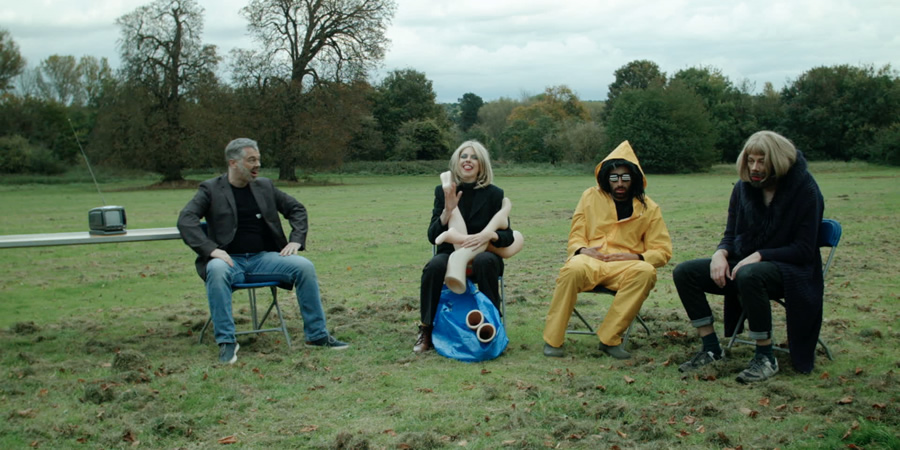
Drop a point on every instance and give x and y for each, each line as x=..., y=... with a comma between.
x=256, y=322
x=829, y=236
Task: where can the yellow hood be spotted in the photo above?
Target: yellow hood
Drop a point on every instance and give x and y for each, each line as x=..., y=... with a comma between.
x=623, y=151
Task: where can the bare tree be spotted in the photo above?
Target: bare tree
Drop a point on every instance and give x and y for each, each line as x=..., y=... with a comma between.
x=60, y=79
x=317, y=41
x=162, y=50
x=11, y=62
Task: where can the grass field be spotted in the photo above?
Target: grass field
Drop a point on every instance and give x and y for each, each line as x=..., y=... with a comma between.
x=98, y=342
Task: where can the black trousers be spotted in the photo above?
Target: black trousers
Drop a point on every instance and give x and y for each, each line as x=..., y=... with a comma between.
x=754, y=286
x=486, y=268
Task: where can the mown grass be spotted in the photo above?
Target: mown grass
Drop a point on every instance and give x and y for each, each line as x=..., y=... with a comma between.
x=98, y=343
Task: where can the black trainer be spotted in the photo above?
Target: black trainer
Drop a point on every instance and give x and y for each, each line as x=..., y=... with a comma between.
x=329, y=342
x=701, y=359
x=228, y=352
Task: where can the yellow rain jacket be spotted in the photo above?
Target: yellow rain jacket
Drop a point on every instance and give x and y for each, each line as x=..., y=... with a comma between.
x=595, y=222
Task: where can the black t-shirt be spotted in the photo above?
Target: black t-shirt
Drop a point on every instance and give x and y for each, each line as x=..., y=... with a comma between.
x=624, y=209
x=252, y=235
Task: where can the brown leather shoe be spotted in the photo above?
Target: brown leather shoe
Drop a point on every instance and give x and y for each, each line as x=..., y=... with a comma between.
x=423, y=342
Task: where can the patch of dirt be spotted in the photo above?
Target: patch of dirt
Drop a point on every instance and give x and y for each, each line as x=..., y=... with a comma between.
x=128, y=360
x=25, y=328
x=99, y=392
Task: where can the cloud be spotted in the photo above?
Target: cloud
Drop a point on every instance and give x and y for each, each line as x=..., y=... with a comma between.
x=501, y=48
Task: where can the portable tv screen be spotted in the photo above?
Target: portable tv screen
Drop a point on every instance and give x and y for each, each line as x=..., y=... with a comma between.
x=107, y=220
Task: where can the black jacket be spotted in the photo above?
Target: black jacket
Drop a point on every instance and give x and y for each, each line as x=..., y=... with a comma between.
x=477, y=207
x=214, y=201
x=785, y=233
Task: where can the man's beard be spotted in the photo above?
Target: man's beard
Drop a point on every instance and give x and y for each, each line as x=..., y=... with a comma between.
x=766, y=182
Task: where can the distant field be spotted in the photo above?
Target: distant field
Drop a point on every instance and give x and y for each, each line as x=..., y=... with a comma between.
x=67, y=312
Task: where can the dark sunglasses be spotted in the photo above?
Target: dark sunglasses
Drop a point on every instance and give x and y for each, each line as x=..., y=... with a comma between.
x=615, y=177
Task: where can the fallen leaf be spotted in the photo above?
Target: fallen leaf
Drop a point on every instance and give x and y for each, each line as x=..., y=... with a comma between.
x=701, y=429
x=621, y=434
x=879, y=405
x=798, y=409
x=228, y=440
x=671, y=421
x=764, y=401
x=689, y=420
x=846, y=400
x=425, y=390
x=674, y=334
x=30, y=412
x=485, y=371
x=666, y=363
x=128, y=436
x=628, y=379
x=600, y=387
x=824, y=376
x=389, y=432
x=858, y=371
x=308, y=428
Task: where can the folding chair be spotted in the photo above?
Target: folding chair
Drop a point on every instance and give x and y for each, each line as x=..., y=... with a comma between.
x=499, y=279
x=590, y=330
x=829, y=236
x=251, y=292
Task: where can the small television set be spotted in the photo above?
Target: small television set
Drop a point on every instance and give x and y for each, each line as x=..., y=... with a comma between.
x=107, y=220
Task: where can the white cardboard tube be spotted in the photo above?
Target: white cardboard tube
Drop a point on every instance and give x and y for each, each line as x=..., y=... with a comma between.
x=474, y=319
x=486, y=332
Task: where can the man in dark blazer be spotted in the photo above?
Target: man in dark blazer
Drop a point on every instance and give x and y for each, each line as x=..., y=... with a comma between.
x=245, y=242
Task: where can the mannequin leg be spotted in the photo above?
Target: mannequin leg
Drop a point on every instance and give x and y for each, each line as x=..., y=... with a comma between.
x=509, y=252
x=456, y=268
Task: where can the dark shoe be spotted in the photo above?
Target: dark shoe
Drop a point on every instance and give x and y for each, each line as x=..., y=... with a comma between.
x=760, y=369
x=228, y=352
x=423, y=342
x=328, y=342
x=553, y=352
x=616, y=351
x=701, y=359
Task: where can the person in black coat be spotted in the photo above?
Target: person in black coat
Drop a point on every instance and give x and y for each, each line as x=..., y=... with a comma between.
x=478, y=200
x=769, y=250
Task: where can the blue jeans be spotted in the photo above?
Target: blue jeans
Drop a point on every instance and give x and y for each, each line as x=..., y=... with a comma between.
x=264, y=266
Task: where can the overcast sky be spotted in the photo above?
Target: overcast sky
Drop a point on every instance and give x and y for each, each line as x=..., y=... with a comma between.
x=504, y=48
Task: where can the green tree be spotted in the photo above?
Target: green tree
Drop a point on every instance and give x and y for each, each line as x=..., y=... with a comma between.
x=638, y=74
x=668, y=127
x=402, y=96
x=531, y=127
x=469, y=105
x=11, y=62
x=492, y=119
x=306, y=43
x=421, y=140
x=729, y=108
x=835, y=112
x=162, y=50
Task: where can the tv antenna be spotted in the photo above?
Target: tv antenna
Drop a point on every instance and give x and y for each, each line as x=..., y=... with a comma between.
x=86, y=161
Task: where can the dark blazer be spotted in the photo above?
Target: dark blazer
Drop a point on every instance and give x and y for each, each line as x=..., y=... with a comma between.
x=214, y=202
x=477, y=207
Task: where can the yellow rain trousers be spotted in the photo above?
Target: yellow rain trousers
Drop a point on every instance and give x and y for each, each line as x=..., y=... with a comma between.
x=595, y=224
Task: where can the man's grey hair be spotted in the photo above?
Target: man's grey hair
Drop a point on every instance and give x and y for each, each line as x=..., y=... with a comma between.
x=235, y=149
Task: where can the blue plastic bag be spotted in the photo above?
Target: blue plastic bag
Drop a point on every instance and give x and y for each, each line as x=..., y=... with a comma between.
x=453, y=339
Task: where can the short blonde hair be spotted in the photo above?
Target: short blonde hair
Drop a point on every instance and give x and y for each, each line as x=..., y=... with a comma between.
x=778, y=151
x=485, y=174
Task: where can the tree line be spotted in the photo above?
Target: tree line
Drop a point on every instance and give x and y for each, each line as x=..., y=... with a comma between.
x=304, y=93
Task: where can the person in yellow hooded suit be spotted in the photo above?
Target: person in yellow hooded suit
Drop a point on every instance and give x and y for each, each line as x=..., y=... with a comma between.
x=618, y=240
